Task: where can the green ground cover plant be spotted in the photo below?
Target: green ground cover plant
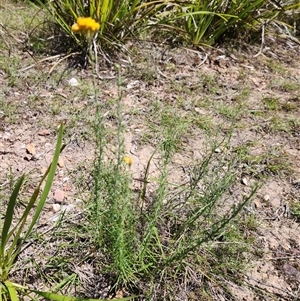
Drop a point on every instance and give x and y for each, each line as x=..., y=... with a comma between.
x=145, y=235
x=197, y=22
x=118, y=20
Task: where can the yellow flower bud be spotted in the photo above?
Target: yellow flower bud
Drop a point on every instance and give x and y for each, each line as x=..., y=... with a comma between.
x=128, y=160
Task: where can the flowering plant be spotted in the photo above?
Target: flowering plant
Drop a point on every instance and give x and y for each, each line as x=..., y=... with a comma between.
x=88, y=27
x=102, y=21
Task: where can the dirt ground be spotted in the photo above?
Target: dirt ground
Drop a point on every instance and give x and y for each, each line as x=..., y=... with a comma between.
x=209, y=84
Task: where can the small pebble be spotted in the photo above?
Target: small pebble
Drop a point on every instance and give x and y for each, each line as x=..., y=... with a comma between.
x=73, y=82
x=133, y=84
x=59, y=195
x=266, y=197
x=35, y=157
x=245, y=181
x=66, y=179
x=44, y=132
x=217, y=150
x=78, y=202
x=56, y=207
x=61, y=162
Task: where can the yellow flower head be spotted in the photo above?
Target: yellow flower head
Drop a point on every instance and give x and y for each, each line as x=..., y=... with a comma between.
x=128, y=160
x=85, y=25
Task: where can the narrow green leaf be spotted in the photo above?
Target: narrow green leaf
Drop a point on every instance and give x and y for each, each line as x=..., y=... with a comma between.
x=292, y=6
x=9, y=215
x=24, y=216
x=67, y=280
x=17, y=244
x=12, y=291
x=48, y=183
x=222, y=16
x=13, y=251
x=1, y=291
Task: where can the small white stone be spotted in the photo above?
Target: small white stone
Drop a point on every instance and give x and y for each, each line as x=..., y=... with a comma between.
x=56, y=207
x=66, y=179
x=218, y=150
x=78, y=202
x=266, y=197
x=73, y=82
x=245, y=181
x=132, y=84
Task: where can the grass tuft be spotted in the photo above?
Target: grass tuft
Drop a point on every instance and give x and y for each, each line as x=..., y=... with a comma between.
x=157, y=229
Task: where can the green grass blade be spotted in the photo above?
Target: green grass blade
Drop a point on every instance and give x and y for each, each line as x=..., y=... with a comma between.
x=145, y=179
x=24, y=216
x=1, y=291
x=104, y=11
x=16, y=244
x=225, y=17
x=16, y=231
x=292, y=6
x=49, y=182
x=13, y=296
x=9, y=215
x=20, y=225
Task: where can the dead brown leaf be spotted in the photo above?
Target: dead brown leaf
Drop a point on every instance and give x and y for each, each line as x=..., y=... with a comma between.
x=30, y=148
